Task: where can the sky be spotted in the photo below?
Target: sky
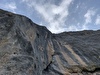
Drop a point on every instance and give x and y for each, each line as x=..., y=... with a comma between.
x=58, y=15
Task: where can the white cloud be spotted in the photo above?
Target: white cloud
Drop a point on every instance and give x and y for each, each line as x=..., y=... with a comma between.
x=53, y=14
x=24, y=0
x=9, y=6
x=74, y=28
x=40, y=23
x=88, y=16
x=97, y=20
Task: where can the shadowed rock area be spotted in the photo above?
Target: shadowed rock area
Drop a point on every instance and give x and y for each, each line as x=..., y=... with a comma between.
x=29, y=49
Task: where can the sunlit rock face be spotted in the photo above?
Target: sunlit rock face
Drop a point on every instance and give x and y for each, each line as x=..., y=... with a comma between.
x=29, y=49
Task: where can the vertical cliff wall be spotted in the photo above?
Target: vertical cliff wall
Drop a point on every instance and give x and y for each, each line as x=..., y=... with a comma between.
x=29, y=49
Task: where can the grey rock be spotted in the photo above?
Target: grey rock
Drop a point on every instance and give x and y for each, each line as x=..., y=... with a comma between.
x=29, y=49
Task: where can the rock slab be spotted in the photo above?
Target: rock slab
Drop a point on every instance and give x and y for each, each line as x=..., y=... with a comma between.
x=29, y=49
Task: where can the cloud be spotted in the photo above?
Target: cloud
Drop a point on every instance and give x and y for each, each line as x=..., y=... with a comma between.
x=88, y=16
x=24, y=0
x=54, y=15
x=9, y=6
x=73, y=27
x=97, y=20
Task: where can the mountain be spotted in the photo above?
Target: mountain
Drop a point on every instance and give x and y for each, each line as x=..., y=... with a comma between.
x=29, y=49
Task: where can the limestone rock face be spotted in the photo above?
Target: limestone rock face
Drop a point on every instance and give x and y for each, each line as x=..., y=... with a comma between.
x=29, y=49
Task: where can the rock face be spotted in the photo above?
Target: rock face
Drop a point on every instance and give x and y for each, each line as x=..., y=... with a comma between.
x=29, y=49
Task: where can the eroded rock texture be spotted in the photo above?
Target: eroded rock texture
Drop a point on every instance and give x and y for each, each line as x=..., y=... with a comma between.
x=30, y=49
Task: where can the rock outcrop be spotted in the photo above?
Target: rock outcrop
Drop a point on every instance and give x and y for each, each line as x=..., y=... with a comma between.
x=29, y=49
